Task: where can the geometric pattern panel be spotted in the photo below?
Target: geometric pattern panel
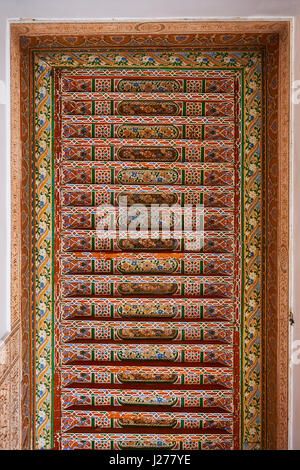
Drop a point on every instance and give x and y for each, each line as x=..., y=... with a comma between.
x=146, y=349
x=113, y=302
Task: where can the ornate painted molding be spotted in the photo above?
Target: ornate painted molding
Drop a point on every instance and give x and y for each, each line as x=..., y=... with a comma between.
x=272, y=40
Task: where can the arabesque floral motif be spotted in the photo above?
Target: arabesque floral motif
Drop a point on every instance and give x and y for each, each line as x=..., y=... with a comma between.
x=251, y=321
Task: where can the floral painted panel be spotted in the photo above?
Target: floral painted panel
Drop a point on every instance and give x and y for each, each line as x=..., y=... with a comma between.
x=148, y=323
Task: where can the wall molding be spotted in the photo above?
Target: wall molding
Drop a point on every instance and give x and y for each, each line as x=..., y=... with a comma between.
x=29, y=37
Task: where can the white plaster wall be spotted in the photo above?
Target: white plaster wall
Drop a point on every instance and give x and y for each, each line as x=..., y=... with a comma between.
x=295, y=252
x=58, y=10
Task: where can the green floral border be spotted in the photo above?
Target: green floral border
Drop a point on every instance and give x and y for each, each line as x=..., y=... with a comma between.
x=251, y=65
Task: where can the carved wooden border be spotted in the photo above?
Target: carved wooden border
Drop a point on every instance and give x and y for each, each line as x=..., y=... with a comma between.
x=277, y=197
